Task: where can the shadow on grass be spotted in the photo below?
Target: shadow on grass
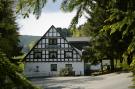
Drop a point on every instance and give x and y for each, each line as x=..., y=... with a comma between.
x=75, y=81
x=61, y=87
x=53, y=83
x=56, y=87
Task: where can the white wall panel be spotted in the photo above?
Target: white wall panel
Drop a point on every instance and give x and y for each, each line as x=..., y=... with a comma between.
x=58, y=40
x=43, y=40
x=43, y=52
x=62, y=45
x=62, y=51
x=45, y=70
x=62, y=40
x=43, y=59
x=31, y=56
x=43, y=56
x=62, y=56
x=43, y=45
x=66, y=45
x=39, y=45
x=50, y=34
x=47, y=41
x=54, y=34
x=58, y=56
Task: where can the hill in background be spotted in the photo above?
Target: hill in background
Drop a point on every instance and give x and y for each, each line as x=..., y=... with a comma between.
x=26, y=40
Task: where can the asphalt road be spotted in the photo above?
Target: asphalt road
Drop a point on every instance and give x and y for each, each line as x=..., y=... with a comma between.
x=108, y=81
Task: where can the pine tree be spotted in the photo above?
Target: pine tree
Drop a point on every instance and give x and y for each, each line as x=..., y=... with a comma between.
x=10, y=74
x=9, y=40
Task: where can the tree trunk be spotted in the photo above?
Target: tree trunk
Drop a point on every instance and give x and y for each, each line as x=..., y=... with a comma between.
x=129, y=59
x=112, y=65
x=116, y=62
x=121, y=60
x=101, y=66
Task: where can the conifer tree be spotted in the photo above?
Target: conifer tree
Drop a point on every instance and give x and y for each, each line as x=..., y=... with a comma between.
x=10, y=74
x=9, y=36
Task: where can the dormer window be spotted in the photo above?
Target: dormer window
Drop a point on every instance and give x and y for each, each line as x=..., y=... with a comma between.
x=52, y=41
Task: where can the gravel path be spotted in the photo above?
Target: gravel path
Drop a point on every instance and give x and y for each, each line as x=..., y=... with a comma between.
x=108, y=81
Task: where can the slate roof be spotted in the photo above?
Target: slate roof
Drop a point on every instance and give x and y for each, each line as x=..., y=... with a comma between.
x=80, y=39
x=79, y=42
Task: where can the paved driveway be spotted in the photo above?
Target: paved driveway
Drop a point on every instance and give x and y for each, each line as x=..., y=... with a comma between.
x=108, y=81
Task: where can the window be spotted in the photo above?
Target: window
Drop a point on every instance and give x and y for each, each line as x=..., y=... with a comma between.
x=53, y=67
x=68, y=54
x=52, y=41
x=69, y=66
x=52, y=54
x=37, y=69
x=37, y=54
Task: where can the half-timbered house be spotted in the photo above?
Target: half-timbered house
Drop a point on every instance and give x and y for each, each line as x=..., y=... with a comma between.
x=52, y=53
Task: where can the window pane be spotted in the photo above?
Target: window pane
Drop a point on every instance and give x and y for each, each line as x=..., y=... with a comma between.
x=53, y=67
x=68, y=66
x=52, y=41
x=52, y=54
x=37, y=54
x=68, y=54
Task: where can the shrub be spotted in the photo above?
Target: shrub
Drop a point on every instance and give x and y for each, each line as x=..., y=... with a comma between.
x=132, y=66
x=10, y=76
x=66, y=72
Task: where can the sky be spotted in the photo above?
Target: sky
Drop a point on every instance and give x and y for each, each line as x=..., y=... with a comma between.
x=51, y=15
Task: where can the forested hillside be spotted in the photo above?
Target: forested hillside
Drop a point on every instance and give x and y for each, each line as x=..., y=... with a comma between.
x=26, y=41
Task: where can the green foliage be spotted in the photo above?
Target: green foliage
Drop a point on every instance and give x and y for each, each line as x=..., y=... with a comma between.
x=132, y=66
x=25, y=7
x=75, y=32
x=31, y=44
x=66, y=72
x=121, y=19
x=124, y=66
x=106, y=29
x=111, y=25
x=25, y=40
x=10, y=76
x=8, y=30
x=30, y=6
x=90, y=55
x=82, y=6
x=64, y=32
x=10, y=66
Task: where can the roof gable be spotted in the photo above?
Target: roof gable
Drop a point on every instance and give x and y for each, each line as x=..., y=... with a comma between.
x=51, y=33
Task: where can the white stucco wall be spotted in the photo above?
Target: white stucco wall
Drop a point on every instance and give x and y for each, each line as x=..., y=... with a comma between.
x=106, y=62
x=45, y=68
x=95, y=67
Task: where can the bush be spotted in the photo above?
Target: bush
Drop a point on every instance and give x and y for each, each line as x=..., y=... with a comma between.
x=10, y=76
x=132, y=67
x=123, y=66
x=67, y=72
